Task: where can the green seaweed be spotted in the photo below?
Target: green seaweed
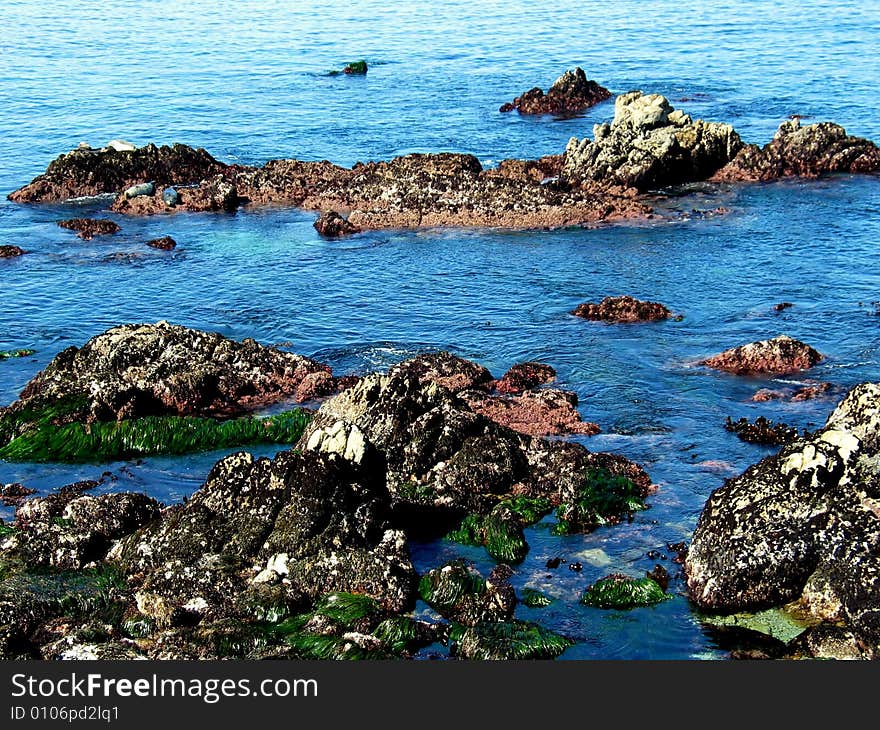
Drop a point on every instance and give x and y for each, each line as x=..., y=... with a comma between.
x=529, y=509
x=153, y=435
x=318, y=646
x=412, y=491
x=347, y=608
x=507, y=640
x=356, y=68
x=443, y=588
x=6, y=529
x=24, y=352
x=535, y=599
x=504, y=537
x=401, y=634
x=469, y=532
x=602, y=498
x=621, y=592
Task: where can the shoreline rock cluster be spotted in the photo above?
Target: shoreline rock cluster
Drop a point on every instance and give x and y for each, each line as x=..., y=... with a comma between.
x=648, y=145
x=261, y=559
x=570, y=93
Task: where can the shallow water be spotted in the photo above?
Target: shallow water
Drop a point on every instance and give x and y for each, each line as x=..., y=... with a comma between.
x=249, y=84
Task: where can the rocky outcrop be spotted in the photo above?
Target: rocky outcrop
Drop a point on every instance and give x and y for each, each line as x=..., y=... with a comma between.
x=88, y=228
x=212, y=195
x=332, y=225
x=446, y=370
x=524, y=376
x=570, y=93
x=778, y=356
x=650, y=145
x=803, y=525
x=86, y=172
x=762, y=431
x=622, y=309
x=540, y=412
x=165, y=243
x=163, y=369
x=796, y=151
x=11, y=252
x=797, y=395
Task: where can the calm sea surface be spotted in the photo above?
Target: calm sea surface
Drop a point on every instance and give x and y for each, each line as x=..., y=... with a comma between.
x=248, y=82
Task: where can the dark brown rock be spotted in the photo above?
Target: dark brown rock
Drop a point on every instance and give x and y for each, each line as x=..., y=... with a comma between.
x=86, y=172
x=762, y=431
x=525, y=376
x=570, y=93
x=797, y=151
x=778, y=356
x=332, y=225
x=622, y=309
x=14, y=494
x=165, y=243
x=88, y=228
x=447, y=370
x=10, y=252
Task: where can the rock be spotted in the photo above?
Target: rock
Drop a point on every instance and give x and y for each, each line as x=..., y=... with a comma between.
x=446, y=370
x=650, y=145
x=782, y=306
x=71, y=531
x=140, y=370
x=14, y=494
x=212, y=195
x=524, y=376
x=570, y=93
x=801, y=525
x=500, y=640
x=312, y=522
x=21, y=352
x=797, y=151
x=544, y=412
x=459, y=593
x=11, y=252
x=82, y=173
x=621, y=592
x=332, y=225
x=356, y=68
x=778, y=356
x=622, y=309
x=165, y=243
x=88, y=228
x=763, y=431
x=140, y=189
x=795, y=395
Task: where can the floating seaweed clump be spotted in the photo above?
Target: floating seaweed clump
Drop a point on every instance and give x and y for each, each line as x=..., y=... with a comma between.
x=622, y=592
x=507, y=640
x=535, y=599
x=6, y=354
x=603, y=498
x=152, y=435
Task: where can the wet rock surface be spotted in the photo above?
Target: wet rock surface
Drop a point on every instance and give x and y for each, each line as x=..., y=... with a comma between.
x=11, y=252
x=87, y=172
x=808, y=151
x=762, y=431
x=570, y=93
x=543, y=412
x=157, y=369
x=803, y=525
x=165, y=243
x=650, y=145
x=88, y=228
x=524, y=376
x=622, y=309
x=778, y=356
x=332, y=225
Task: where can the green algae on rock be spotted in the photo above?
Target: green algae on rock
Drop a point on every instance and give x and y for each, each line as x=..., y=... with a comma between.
x=534, y=598
x=153, y=435
x=500, y=640
x=621, y=592
x=459, y=593
x=501, y=532
x=602, y=498
x=24, y=352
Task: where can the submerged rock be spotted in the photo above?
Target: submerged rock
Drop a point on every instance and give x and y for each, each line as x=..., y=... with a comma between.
x=621, y=592
x=11, y=252
x=356, y=68
x=88, y=228
x=650, y=145
x=142, y=370
x=801, y=525
x=165, y=243
x=763, y=431
x=622, y=309
x=332, y=225
x=797, y=151
x=778, y=356
x=570, y=93
x=459, y=593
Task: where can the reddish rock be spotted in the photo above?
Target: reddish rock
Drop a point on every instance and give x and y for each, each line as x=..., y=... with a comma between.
x=544, y=412
x=777, y=356
x=165, y=243
x=622, y=309
x=87, y=172
x=570, y=93
x=806, y=392
x=332, y=225
x=447, y=370
x=525, y=376
x=345, y=382
x=12, y=495
x=11, y=252
x=540, y=170
x=213, y=195
x=796, y=151
x=88, y=228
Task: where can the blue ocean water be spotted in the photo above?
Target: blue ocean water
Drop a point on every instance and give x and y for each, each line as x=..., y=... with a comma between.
x=248, y=82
